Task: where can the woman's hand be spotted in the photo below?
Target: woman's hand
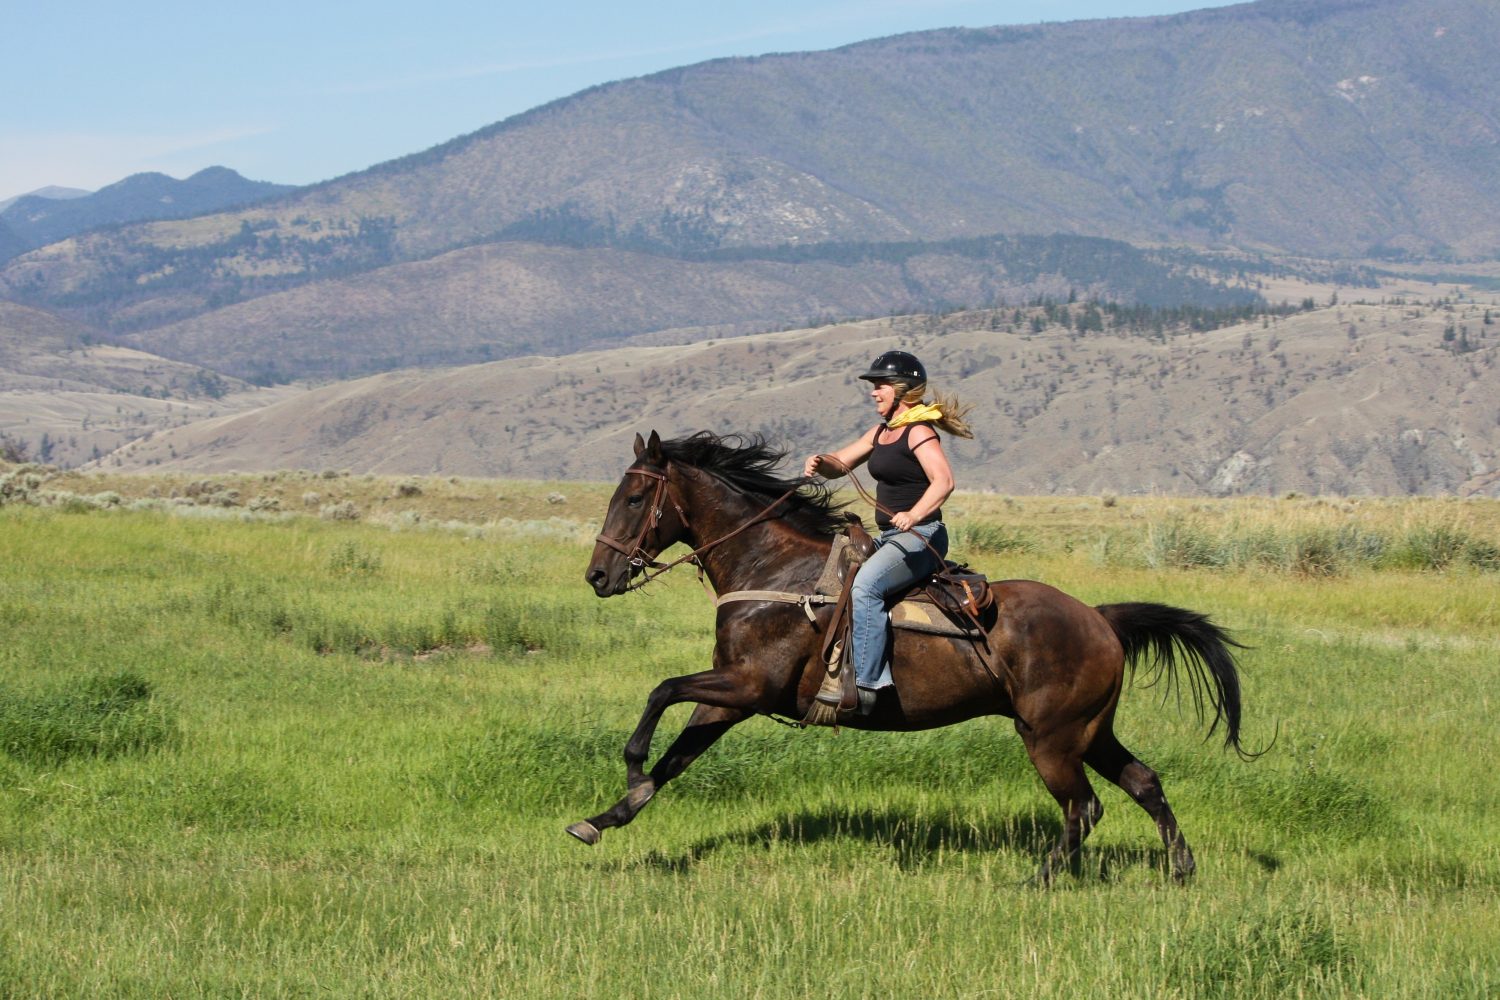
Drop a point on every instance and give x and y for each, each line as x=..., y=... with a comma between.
x=903, y=520
x=827, y=466
x=832, y=465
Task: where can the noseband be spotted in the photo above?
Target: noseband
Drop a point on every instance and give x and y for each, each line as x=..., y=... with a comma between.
x=636, y=551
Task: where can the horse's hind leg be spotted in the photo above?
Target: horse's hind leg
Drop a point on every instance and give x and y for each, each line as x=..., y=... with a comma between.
x=1113, y=761
x=704, y=728
x=1061, y=768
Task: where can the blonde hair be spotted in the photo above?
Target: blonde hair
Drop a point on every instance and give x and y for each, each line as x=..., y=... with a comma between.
x=954, y=412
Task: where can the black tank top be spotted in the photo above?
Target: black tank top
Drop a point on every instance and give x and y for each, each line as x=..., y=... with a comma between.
x=899, y=479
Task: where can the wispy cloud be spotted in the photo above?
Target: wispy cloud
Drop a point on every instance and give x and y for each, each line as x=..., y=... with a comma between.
x=509, y=66
x=854, y=15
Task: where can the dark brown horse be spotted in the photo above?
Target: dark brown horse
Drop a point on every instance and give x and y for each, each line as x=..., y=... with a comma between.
x=1062, y=662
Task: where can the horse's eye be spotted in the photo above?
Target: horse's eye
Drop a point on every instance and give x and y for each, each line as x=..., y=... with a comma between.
x=634, y=501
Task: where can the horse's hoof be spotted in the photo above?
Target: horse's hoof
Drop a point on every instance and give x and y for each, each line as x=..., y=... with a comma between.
x=585, y=831
x=1183, y=865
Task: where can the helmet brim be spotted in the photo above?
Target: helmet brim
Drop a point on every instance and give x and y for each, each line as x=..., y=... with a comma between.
x=896, y=366
x=882, y=375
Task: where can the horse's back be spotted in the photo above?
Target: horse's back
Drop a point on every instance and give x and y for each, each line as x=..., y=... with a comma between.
x=1033, y=604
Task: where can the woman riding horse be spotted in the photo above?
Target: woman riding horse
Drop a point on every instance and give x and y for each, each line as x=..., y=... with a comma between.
x=1062, y=662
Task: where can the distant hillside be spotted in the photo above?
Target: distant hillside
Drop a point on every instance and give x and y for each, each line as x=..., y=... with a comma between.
x=11, y=245
x=38, y=219
x=69, y=399
x=500, y=300
x=1329, y=128
x=50, y=191
x=1351, y=399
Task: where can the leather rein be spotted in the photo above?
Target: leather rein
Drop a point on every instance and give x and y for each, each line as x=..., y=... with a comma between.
x=636, y=551
x=869, y=498
x=639, y=558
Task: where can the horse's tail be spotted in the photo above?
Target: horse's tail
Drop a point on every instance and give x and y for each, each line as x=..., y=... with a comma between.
x=1167, y=631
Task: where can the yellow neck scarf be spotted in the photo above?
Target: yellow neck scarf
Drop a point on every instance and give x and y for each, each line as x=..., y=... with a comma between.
x=922, y=413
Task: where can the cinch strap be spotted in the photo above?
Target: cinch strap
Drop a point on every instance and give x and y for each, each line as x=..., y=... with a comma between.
x=808, y=601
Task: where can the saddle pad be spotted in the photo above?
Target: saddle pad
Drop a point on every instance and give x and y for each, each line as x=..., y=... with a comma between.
x=924, y=616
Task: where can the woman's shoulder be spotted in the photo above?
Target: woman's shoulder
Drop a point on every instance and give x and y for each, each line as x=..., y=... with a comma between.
x=921, y=434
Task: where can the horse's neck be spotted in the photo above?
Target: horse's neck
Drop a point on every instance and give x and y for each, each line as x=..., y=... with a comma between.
x=769, y=555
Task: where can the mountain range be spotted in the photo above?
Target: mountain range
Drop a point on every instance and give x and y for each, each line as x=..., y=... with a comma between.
x=52, y=191
x=54, y=214
x=1330, y=128
x=1233, y=158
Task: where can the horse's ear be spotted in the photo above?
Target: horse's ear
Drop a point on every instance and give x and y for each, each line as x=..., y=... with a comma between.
x=653, y=448
x=640, y=445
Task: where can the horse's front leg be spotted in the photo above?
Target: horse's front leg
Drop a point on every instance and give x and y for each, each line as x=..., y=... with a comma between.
x=723, y=702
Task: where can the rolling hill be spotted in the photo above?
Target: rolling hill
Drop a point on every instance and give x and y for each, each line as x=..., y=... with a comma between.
x=1385, y=397
x=68, y=399
x=506, y=299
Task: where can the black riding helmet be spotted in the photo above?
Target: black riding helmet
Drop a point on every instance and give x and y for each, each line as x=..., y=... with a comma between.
x=896, y=366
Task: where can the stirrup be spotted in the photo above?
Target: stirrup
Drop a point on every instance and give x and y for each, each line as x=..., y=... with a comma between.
x=837, y=695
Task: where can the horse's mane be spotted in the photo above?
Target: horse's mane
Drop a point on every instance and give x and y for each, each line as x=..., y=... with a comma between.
x=748, y=463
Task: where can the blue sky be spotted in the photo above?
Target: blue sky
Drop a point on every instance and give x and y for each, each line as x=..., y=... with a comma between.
x=96, y=90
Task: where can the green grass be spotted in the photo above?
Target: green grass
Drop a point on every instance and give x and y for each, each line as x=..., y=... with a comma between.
x=98, y=716
x=296, y=757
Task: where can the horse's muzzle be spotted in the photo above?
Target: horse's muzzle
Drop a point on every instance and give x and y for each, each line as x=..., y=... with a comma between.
x=599, y=578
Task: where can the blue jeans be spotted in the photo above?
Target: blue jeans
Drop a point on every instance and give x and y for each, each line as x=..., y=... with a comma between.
x=900, y=559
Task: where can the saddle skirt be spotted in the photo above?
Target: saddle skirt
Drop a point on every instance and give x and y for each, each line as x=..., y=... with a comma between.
x=920, y=614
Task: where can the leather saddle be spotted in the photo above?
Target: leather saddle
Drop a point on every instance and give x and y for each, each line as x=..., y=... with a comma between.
x=954, y=601
x=958, y=591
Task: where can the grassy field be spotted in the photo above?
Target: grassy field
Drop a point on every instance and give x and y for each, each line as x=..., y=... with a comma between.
x=257, y=753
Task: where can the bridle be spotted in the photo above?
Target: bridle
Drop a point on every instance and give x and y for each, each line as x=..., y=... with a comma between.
x=636, y=552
